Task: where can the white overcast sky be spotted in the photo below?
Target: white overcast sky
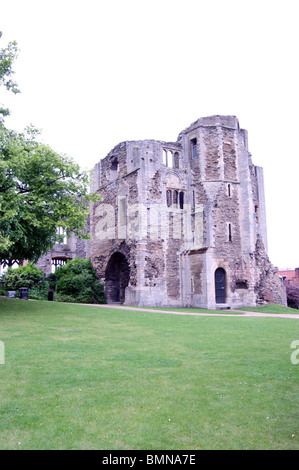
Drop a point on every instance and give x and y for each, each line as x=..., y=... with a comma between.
x=94, y=73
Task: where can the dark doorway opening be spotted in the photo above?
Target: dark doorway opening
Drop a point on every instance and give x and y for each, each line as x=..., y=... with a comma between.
x=117, y=277
x=220, y=286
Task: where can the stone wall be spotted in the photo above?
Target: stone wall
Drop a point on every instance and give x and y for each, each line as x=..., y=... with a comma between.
x=179, y=211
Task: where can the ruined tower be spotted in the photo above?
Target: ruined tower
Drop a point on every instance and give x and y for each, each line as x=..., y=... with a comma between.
x=183, y=223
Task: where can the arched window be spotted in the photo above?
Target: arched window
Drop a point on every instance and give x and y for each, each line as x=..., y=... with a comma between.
x=193, y=148
x=181, y=200
x=167, y=158
x=61, y=232
x=168, y=198
x=175, y=198
x=164, y=157
x=114, y=164
x=176, y=160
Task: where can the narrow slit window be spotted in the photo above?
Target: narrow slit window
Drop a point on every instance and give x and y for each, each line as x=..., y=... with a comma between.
x=176, y=160
x=168, y=198
x=169, y=159
x=230, y=232
x=175, y=198
x=194, y=148
x=181, y=200
x=164, y=157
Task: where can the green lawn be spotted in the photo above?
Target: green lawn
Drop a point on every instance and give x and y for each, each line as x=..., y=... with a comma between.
x=84, y=377
x=271, y=308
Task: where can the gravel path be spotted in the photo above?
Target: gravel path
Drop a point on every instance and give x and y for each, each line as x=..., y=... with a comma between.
x=237, y=313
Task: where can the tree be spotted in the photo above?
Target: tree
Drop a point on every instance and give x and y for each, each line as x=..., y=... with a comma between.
x=40, y=190
x=7, y=57
x=24, y=276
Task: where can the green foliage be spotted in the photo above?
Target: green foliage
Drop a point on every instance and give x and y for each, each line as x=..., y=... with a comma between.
x=40, y=190
x=7, y=57
x=40, y=291
x=24, y=276
x=77, y=282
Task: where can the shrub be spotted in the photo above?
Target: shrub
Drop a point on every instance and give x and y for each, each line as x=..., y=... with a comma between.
x=24, y=276
x=65, y=298
x=76, y=282
x=39, y=292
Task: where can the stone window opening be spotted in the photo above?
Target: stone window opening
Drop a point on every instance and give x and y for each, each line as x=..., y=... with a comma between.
x=193, y=148
x=230, y=238
x=175, y=198
x=114, y=164
x=229, y=190
x=169, y=198
x=113, y=168
x=61, y=232
x=241, y=284
x=181, y=200
x=256, y=210
x=168, y=158
x=176, y=160
x=57, y=262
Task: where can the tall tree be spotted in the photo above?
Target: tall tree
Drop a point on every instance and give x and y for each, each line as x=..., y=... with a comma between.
x=40, y=190
x=7, y=58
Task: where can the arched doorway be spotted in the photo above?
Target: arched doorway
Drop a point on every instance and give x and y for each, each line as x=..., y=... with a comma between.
x=117, y=277
x=220, y=286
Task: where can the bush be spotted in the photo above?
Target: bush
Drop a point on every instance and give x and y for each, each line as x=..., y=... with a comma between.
x=39, y=292
x=76, y=282
x=65, y=298
x=292, y=296
x=24, y=276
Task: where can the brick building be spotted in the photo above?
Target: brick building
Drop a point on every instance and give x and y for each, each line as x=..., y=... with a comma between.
x=289, y=276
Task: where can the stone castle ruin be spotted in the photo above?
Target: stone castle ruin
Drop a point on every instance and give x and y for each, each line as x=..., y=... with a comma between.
x=183, y=223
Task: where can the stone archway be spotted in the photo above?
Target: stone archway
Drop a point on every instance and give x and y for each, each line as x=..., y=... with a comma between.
x=117, y=276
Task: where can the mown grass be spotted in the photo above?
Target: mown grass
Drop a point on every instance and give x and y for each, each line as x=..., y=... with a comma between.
x=84, y=377
x=271, y=308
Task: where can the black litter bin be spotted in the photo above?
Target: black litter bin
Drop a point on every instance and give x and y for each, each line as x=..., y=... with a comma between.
x=50, y=295
x=23, y=293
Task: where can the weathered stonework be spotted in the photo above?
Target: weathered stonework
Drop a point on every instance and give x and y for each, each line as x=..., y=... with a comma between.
x=70, y=248
x=183, y=223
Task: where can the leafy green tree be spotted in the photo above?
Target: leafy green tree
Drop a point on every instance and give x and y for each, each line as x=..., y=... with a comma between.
x=24, y=276
x=40, y=190
x=7, y=58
